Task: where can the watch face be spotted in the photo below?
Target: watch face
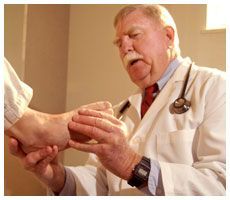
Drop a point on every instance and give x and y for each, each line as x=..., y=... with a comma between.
x=142, y=172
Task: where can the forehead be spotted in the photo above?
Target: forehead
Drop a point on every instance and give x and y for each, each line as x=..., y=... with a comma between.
x=134, y=19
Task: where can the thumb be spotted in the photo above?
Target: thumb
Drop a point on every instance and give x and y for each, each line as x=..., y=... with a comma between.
x=15, y=149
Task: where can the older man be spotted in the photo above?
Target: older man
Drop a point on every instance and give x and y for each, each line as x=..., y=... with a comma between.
x=159, y=146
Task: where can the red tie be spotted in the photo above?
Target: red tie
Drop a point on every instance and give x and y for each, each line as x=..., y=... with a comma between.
x=148, y=98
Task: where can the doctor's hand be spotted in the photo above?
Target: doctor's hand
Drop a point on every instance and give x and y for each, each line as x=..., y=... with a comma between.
x=42, y=163
x=111, y=148
x=36, y=130
x=103, y=106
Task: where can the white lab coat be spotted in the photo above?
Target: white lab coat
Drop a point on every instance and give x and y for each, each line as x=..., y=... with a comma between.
x=190, y=147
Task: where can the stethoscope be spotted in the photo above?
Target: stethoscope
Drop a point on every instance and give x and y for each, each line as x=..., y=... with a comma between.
x=179, y=106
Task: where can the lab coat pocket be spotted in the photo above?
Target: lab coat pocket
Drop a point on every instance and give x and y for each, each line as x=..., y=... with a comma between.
x=176, y=146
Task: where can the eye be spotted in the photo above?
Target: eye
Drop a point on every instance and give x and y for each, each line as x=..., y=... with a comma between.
x=135, y=35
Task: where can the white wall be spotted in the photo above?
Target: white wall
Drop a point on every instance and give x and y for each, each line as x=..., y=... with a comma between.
x=14, y=18
x=207, y=48
x=94, y=64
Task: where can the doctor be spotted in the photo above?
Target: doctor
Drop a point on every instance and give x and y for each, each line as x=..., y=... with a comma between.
x=152, y=150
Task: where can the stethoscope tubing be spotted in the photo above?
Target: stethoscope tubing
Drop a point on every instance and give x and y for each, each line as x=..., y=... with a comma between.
x=175, y=107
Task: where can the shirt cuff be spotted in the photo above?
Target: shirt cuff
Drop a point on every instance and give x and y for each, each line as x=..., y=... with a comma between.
x=17, y=96
x=69, y=188
x=155, y=186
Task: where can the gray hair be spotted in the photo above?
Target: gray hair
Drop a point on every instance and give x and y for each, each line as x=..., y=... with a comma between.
x=156, y=12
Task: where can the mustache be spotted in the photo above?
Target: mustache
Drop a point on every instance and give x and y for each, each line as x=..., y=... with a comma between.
x=131, y=57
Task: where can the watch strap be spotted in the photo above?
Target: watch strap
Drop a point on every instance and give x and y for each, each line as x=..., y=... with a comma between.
x=140, y=173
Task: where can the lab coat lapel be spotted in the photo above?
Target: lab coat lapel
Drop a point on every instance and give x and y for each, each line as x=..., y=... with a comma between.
x=174, y=83
x=135, y=101
x=162, y=99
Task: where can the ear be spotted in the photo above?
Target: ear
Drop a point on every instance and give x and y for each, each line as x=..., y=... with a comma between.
x=169, y=35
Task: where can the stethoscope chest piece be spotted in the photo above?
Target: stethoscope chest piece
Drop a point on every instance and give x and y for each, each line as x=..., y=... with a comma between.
x=180, y=105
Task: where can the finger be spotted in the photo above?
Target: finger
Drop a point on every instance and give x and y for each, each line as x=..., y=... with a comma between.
x=15, y=149
x=89, y=148
x=101, y=123
x=100, y=105
x=109, y=111
x=33, y=158
x=44, y=163
x=98, y=114
x=90, y=131
x=101, y=120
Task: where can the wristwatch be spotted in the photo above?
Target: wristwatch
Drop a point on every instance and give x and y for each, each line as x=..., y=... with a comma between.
x=140, y=173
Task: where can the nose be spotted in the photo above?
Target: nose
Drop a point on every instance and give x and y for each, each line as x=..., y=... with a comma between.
x=126, y=46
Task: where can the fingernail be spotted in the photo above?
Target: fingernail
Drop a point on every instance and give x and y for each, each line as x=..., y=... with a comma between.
x=71, y=142
x=82, y=110
x=108, y=104
x=55, y=147
x=49, y=149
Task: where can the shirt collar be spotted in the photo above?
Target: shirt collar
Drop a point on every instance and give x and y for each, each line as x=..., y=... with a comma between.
x=169, y=71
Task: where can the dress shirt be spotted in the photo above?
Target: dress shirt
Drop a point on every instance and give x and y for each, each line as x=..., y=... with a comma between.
x=17, y=96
